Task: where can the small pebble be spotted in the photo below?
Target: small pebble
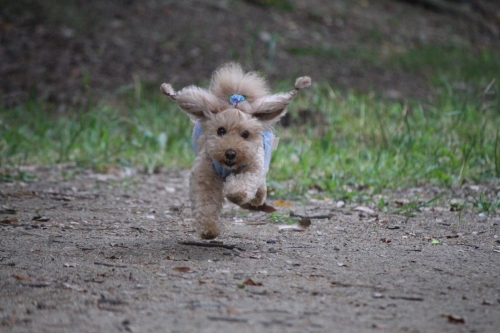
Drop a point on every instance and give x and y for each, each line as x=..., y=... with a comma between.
x=271, y=241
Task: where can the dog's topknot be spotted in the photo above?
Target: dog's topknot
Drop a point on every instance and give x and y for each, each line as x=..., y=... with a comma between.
x=230, y=79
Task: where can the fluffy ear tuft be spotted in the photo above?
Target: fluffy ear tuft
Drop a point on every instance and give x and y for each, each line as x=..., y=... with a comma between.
x=167, y=89
x=195, y=101
x=302, y=82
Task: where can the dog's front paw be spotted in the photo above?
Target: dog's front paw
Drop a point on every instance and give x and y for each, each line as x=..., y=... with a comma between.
x=208, y=229
x=238, y=198
x=209, y=234
x=260, y=197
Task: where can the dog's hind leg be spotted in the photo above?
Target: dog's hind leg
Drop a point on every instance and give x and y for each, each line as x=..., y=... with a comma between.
x=205, y=187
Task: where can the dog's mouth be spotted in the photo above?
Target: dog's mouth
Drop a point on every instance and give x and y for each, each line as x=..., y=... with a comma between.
x=230, y=163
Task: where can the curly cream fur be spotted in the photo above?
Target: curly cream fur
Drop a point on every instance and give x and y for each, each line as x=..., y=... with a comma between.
x=243, y=126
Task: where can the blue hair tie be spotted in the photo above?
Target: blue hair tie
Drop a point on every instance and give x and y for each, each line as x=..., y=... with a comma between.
x=236, y=98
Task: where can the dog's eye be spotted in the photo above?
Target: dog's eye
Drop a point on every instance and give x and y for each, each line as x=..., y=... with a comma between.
x=245, y=134
x=221, y=131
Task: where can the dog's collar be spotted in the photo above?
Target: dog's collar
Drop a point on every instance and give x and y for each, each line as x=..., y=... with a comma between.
x=225, y=172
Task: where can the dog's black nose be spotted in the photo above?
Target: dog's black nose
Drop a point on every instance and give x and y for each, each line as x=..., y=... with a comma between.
x=230, y=154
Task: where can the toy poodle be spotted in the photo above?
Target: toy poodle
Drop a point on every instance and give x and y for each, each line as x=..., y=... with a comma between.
x=232, y=139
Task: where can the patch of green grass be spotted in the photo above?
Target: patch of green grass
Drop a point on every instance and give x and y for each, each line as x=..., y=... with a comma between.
x=485, y=203
x=280, y=218
x=414, y=206
x=151, y=133
x=8, y=175
x=364, y=144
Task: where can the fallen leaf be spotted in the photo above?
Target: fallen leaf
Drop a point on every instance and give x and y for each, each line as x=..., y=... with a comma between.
x=72, y=286
x=434, y=241
x=233, y=311
x=401, y=202
x=454, y=319
x=385, y=240
x=366, y=210
x=36, y=284
x=255, y=256
x=251, y=282
x=206, y=281
x=40, y=218
x=8, y=211
x=23, y=277
x=8, y=221
x=295, y=227
x=113, y=257
x=305, y=222
x=282, y=203
x=183, y=269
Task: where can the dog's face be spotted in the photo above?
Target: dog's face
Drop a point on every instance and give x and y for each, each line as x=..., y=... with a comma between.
x=233, y=138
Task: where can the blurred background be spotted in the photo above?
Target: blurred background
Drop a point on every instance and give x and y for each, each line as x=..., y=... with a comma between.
x=63, y=51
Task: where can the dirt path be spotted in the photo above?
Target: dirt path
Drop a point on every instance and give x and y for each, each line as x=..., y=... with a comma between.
x=104, y=255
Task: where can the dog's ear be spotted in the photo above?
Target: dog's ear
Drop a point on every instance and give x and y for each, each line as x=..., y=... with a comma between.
x=195, y=101
x=270, y=109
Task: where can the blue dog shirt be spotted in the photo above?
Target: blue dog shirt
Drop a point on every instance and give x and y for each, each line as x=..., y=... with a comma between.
x=267, y=137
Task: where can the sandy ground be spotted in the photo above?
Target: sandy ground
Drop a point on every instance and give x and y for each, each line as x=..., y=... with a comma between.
x=86, y=252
